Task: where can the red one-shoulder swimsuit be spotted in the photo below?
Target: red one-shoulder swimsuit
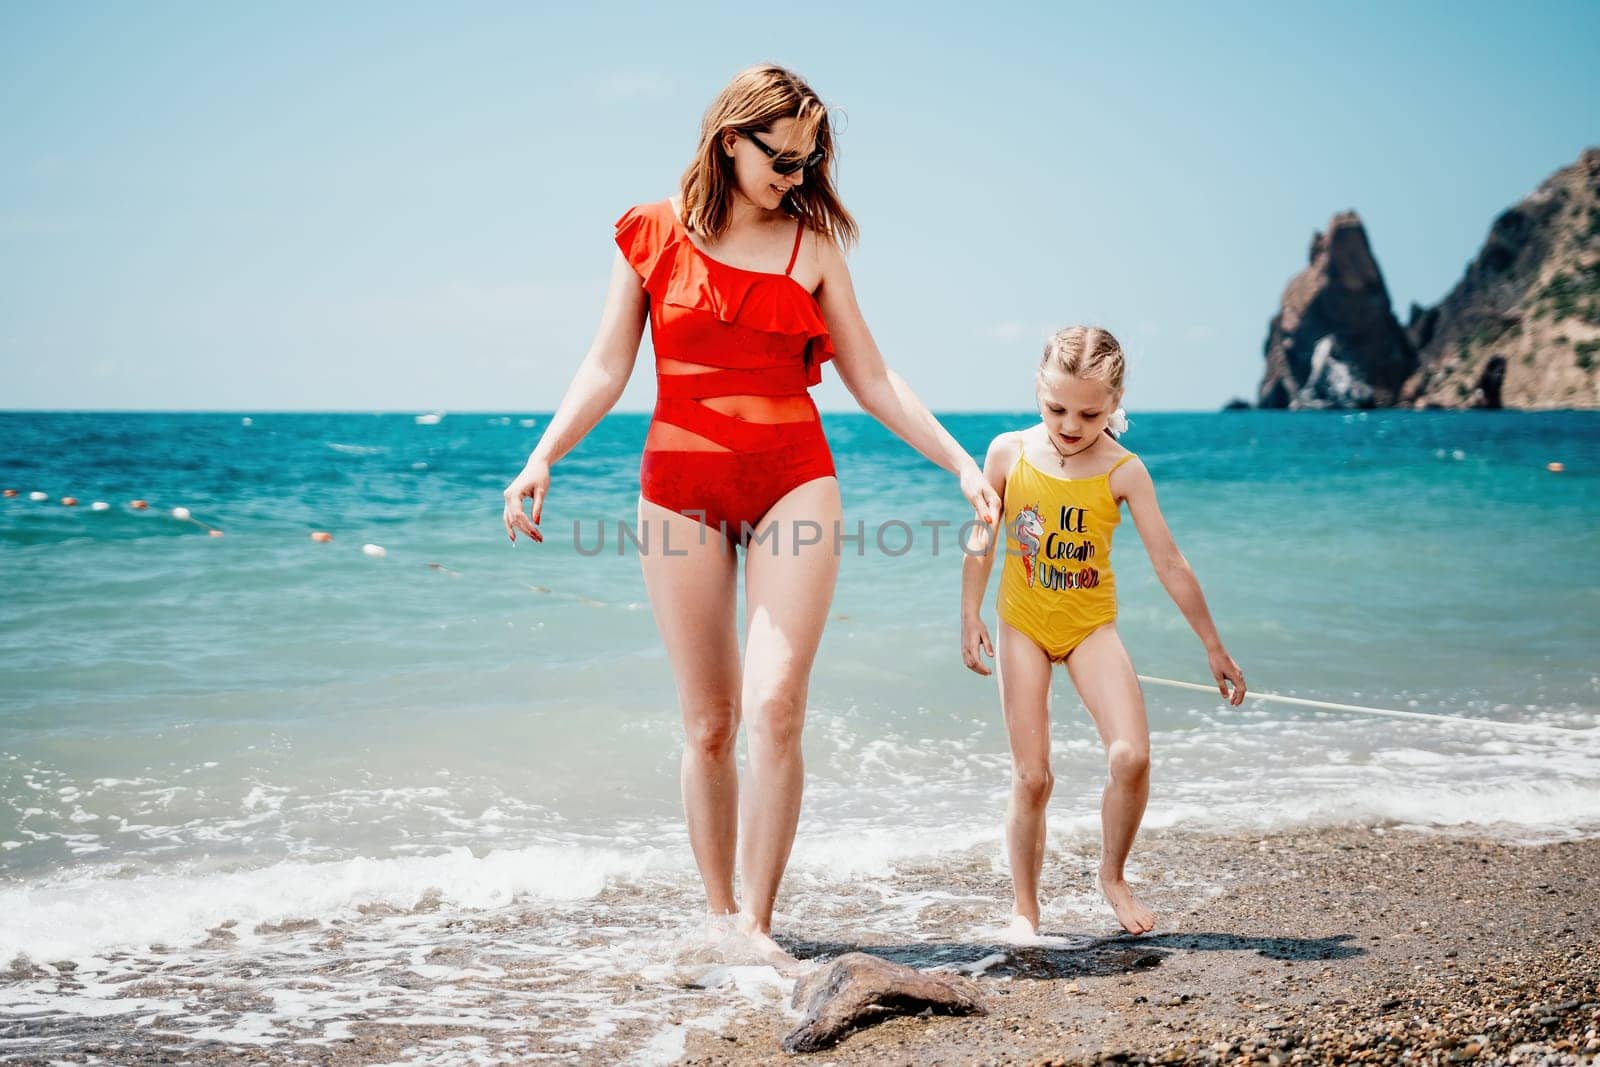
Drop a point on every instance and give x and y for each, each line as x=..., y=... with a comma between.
x=753, y=334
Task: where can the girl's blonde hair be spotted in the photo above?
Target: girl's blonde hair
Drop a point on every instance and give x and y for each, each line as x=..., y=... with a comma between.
x=1086, y=352
x=757, y=97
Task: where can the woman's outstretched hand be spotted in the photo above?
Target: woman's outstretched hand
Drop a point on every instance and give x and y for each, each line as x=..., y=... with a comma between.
x=1226, y=673
x=980, y=494
x=534, y=481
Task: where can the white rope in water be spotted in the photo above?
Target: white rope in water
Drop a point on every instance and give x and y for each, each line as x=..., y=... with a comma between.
x=1330, y=706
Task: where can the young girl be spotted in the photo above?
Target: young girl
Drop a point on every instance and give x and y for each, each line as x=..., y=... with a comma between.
x=1063, y=482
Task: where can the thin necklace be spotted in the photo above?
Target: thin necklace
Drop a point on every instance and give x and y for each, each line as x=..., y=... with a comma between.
x=1061, y=456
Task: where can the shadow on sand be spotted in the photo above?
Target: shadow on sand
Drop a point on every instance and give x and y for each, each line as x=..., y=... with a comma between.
x=1078, y=955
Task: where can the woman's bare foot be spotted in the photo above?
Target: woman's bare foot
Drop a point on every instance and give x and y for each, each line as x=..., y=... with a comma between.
x=1134, y=916
x=761, y=945
x=1022, y=928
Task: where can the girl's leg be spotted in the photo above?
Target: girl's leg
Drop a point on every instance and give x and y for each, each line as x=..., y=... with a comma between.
x=1104, y=675
x=1024, y=673
x=692, y=593
x=788, y=590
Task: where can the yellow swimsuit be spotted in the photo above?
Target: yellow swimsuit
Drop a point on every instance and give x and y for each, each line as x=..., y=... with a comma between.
x=1056, y=584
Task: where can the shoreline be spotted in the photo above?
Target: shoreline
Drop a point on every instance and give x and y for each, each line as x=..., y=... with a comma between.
x=1326, y=945
x=1349, y=943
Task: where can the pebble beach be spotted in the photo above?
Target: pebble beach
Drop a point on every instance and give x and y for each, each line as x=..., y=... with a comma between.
x=1348, y=945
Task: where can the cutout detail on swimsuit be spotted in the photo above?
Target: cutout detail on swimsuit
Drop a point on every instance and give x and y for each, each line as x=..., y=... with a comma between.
x=767, y=409
x=670, y=437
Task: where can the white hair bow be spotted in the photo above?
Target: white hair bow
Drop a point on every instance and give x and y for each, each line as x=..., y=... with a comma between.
x=1118, y=422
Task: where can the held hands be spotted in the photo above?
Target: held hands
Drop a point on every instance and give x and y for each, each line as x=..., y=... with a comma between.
x=975, y=640
x=1226, y=673
x=534, y=481
x=980, y=494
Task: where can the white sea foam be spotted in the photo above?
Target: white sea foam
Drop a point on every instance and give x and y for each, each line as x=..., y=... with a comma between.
x=874, y=852
x=84, y=913
x=528, y=956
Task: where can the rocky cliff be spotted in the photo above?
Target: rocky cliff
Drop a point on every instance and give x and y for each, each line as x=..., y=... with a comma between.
x=1335, y=341
x=1521, y=328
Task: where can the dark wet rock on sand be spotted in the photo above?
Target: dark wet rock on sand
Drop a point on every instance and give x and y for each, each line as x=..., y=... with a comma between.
x=858, y=989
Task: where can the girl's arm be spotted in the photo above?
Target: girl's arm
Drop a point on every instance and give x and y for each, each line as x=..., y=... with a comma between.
x=882, y=393
x=594, y=390
x=1132, y=482
x=977, y=563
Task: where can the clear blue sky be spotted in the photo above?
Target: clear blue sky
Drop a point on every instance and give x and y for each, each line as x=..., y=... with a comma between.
x=365, y=206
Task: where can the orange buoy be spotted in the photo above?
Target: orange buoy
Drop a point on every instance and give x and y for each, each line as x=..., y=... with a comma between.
x=1556, y=467
x=321, y=536
x=69, y=501
x=139, y=505
x=11, y=492
x=214, y=532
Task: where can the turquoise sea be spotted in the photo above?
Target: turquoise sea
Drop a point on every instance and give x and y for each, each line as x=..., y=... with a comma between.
x=216, y=753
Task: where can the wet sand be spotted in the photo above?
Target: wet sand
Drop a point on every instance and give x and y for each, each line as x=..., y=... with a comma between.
x=1346, y=945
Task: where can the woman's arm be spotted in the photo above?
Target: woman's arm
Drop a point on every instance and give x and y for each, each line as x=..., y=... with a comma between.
x=605, y=369
x=978, y=557
x=594, y=390
x=1132, y=482
x=882, y=393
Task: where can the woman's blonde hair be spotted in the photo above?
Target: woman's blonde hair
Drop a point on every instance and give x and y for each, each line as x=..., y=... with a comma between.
x=1086, y=352
x=757, y=97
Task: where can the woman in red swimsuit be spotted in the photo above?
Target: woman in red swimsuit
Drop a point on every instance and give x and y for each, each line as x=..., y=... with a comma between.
x=743, y=280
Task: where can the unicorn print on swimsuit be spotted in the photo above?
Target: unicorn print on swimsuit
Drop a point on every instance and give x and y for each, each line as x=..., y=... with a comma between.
x=1029, y=527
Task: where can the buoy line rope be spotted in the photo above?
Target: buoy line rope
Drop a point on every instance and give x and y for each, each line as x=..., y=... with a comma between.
x=182, y=514
x=1328, y=705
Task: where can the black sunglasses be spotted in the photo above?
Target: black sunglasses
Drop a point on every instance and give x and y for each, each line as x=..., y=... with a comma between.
x=785, y=164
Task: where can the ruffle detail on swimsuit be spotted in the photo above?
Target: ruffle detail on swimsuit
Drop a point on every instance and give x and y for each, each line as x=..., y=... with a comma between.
x=678, y=273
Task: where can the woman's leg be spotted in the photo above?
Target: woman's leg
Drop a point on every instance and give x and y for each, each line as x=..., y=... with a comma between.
x=788, y=589
x=1024, y=673
x=1104, y=675
x=692, y=593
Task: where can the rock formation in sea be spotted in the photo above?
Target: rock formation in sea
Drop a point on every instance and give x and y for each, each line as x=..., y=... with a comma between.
x=1335, y=342
x=1520, y=329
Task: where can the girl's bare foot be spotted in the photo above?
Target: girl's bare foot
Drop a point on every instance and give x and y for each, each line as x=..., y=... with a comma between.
x=1134, y=916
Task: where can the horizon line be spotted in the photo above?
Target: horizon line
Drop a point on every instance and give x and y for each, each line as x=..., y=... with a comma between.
x=826, y=411
x=446, y=413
